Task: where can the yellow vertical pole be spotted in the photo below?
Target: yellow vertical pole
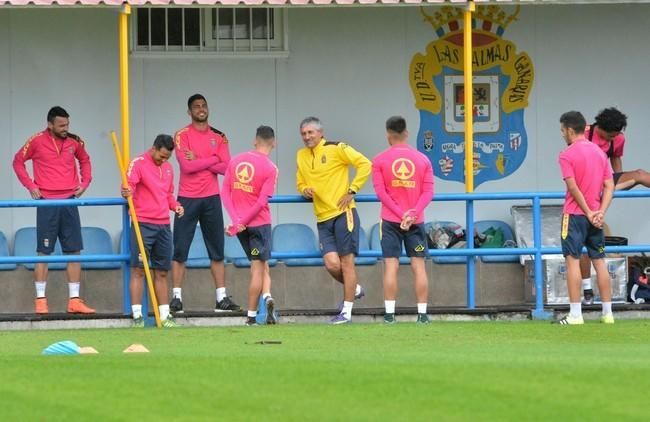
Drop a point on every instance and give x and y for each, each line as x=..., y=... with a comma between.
x=124, y=81
x=469, y=99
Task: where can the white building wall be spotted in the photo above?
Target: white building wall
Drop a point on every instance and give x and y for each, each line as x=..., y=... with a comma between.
x=349, y=66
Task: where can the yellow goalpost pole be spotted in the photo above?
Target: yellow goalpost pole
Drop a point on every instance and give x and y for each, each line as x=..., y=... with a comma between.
x=138, y=234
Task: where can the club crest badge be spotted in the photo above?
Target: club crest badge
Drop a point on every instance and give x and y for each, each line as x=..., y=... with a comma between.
x=503, y=80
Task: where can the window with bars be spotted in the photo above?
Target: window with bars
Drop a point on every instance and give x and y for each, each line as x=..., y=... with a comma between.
x=222, y=30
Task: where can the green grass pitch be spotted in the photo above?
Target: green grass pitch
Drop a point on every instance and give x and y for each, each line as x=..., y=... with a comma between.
x=443, y=371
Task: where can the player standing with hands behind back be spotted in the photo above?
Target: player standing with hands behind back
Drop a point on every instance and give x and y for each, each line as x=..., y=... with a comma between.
x=588, y=177
x=403, y=180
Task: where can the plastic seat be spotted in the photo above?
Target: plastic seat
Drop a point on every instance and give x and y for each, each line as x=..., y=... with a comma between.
x=235, y=253
x=294, y=237
x=364, y=246
x=97, y=241
x=4, y=251
x=25, y=245
x=481, y=226
x=375, y=244
x=448, y=259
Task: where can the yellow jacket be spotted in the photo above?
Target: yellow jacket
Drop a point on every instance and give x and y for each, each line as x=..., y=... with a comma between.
x=325, y=169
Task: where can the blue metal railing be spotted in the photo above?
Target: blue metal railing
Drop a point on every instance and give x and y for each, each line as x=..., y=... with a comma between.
x=87, y=202
x=470, y=252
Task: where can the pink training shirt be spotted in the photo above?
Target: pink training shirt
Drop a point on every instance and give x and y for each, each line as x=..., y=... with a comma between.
x=152, y=187
x=403, y=180
x=55, y=165
x=619, y=142
x=198, y=177
x=247, y=185
x=588, y=165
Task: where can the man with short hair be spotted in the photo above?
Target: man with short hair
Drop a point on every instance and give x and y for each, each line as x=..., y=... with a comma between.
x=403, y=181
x=248, y=184
x=322, y=177
x=588, y=177
x=202, y=153
x=151, y=183
x=607, y=133
x=55, y=153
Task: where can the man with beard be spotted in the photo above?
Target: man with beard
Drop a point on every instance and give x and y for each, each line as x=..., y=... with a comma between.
x=202, y=153
x=54, y=153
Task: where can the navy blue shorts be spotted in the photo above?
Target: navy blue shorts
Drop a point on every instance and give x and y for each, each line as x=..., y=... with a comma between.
x=340, y=234
x=206, y=211
x=58, y=222
x=157, y=239
x=256, y=242
x=577, y=232
x=392, y=239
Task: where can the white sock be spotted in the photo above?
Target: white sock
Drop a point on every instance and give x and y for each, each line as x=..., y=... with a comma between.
x=586, y=283
x=575, y=310
x=389, y=305
x=358, y=289
x=347, y=309
x=164, y=311
x=221, y=293
x=252, y=314
x=73, y=289
x=265, y=295
x=137, y=311
x=176, y=293
x=607, y=308
x=422, y=308
x=40, y=288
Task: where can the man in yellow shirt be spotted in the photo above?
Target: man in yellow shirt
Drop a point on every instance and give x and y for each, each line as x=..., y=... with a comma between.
x=322, y=177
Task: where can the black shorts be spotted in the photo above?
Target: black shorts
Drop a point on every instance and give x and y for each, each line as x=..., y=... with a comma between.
x=256, y=242
x=340, y=234
x=206, y=211
x=58, y=222
x=577, y=232
x=393, y=237
x=157, y=239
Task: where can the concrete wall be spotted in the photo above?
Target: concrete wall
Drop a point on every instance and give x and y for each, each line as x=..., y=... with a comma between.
x=347, y=65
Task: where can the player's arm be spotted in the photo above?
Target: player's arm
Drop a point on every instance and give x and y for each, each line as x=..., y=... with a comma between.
x=223, y=156
x=173, y=203
x=608, y=190
x=301, y=184
x=359, y=162
x=380, y=189
x=226, y=196
x=574, y=191
x=427, y=191
x=133, y=177
x=187, y=162
x=85, y=168
x=265, y=193
x=25, y=154
x=617, y=164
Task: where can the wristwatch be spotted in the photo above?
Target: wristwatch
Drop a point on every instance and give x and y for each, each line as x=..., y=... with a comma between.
x=351, y=192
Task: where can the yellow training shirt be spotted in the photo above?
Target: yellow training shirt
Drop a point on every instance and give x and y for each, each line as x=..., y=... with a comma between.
x=325, y=169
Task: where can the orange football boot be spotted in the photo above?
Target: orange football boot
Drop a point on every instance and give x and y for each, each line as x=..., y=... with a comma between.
x=77, y=306
x=40, y=305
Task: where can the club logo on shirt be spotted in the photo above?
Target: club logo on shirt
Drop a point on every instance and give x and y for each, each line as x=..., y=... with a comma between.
x=403, y=169
x=244, y=173
x=71, y=150
x=213, y=142
x=323, y=159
